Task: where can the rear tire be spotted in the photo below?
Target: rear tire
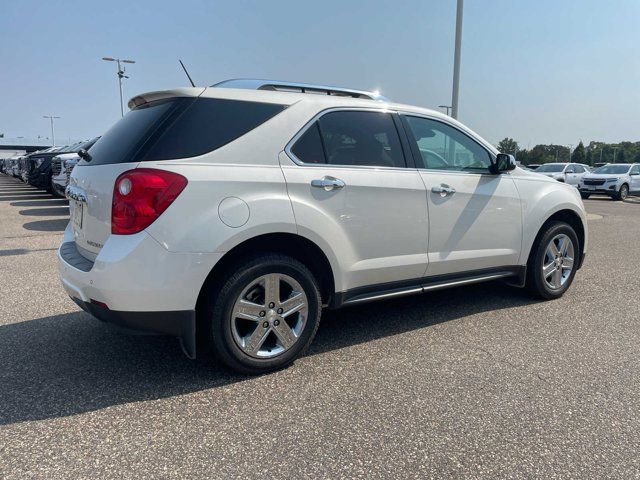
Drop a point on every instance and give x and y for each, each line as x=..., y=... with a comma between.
x=551, y=268
x=249, y=329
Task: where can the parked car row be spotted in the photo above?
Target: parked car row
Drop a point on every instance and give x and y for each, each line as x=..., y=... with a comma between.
x=47, y=169
x=617, y=180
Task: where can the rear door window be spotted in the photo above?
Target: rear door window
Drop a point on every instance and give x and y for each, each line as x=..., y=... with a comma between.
x=361, y=138
x=308, y=148
x=351, y=138
x=179, y=128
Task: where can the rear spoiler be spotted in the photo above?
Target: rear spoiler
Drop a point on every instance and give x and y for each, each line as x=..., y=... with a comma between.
x=161, y=94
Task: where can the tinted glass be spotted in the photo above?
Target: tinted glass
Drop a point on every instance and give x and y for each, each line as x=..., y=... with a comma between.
x=179, y=128
x=612, y=169
x=361, y=139
x=551, y=168
x=442, y=147
x=122, y=140
x=578, y=169
x=308, y=148
x=208, y=124
x=570, y=169
x=635, y=170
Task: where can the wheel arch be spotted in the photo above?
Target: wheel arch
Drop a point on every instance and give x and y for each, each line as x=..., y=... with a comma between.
x=572, y=218
x=291, y=244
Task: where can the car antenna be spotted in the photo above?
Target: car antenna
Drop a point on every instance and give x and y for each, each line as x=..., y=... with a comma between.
x=187, y=73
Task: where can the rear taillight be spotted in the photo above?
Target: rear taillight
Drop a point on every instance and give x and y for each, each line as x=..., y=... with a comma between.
x=140, y=196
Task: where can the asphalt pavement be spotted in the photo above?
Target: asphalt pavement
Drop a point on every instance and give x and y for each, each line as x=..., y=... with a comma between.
x=475, y=382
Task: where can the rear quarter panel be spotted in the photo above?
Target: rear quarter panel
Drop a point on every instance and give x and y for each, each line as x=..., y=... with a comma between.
x=193, y=224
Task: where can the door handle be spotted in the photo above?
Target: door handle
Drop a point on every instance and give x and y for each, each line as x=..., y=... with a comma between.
x=328, y=183
x=444, y=190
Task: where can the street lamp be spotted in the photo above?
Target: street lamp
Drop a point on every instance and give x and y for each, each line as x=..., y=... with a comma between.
x=53, y=136
x=570, y=147
x=456, y=60
x=121, y=75
x=446, y=107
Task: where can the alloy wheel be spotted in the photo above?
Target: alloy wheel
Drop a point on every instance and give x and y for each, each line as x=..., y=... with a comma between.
x=269, y=315
x=624, y=192
x=558, y=261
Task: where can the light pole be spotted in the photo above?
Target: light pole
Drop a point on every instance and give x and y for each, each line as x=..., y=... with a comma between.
x=121, y=75
x=601, y=148
x=614, y=153
x=456, y=60
x=570, y=147
x=53, y=135
x=446, y=107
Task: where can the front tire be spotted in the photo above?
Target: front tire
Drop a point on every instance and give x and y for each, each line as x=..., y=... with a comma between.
x=265, y=315
x=585, y=195
x=623, y=193
x=553, y=261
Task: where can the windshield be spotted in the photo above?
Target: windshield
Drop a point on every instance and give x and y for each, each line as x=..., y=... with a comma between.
x=551, y=167
x=612, y=169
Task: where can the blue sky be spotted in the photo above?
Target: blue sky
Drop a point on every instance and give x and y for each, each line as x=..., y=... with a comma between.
x=540, y=71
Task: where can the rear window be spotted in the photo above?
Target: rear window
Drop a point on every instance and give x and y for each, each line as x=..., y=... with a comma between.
x=179, y=128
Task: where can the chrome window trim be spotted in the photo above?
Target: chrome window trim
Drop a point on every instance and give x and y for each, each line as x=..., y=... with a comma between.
x=317, y=116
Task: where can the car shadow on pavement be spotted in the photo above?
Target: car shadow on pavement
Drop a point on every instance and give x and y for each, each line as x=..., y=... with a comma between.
x=24, y=196
x=69, y=364
x=45, y=212
x=53, y=225
x=41, y=203
x=24, y=190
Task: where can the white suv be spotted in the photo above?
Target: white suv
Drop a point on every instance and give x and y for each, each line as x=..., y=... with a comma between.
x=235, y=213
x=571, y=173
x=618, y=180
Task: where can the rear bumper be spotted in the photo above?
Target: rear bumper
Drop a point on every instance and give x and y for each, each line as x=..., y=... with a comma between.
x=137, y=284
x=180, y=324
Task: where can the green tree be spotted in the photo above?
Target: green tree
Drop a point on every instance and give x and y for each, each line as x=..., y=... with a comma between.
x=508, y=145
x=589, y=158
x=621, y=157
x=578, y=155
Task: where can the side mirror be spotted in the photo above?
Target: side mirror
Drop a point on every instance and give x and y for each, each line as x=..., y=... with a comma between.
x=504, y=162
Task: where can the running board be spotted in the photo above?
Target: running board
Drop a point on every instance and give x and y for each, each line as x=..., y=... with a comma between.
x=435, y=283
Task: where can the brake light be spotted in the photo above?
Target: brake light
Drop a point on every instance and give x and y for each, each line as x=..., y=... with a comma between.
x=140, y=196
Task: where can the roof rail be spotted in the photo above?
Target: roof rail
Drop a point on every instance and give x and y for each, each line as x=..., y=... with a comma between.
x=258, y=84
